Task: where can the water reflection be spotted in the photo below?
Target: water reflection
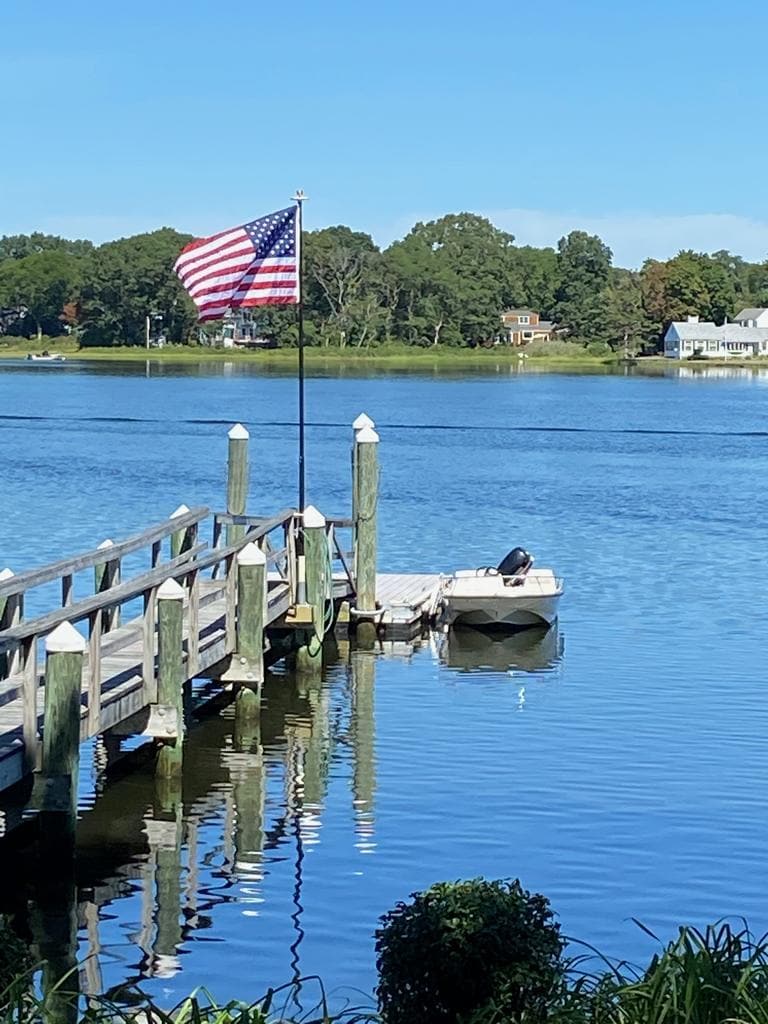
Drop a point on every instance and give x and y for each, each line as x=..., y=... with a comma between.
x=250, y=804
x=472, y=650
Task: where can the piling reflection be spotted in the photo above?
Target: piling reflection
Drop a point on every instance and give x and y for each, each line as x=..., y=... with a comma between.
x=248, y=806
x=530, y=650
x=362, y=674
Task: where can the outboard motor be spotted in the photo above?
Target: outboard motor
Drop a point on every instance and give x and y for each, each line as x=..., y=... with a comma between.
x=516, y=563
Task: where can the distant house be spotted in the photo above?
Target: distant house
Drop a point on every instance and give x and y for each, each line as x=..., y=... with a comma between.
x=752, y=318
x=237, y=330
x=745, y=338
x=524, y=325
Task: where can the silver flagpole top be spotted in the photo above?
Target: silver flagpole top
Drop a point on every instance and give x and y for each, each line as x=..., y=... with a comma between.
x=299, y=196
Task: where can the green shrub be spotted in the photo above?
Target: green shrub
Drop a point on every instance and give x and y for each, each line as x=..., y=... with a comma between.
x=465, y=948
x=557, y=348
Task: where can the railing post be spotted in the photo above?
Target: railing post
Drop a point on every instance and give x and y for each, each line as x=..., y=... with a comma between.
x=180, y=540
x=7, y=607
x=105, y=576
x=64, y=649
x=170, y=672
x=308, y=656
x=367, y=462
x=237, y=479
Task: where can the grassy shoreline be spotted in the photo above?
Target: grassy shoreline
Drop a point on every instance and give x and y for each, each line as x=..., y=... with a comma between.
x=394, y=357
x=279, y=356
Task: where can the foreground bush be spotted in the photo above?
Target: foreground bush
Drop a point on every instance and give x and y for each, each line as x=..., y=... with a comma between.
x=469, y=947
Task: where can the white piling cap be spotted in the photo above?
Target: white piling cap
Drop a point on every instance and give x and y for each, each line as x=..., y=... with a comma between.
x=170, y=591
x=64, y=640
x=105, y=544
x=238, y=433
x=363, y=421
x=180, y=511
x=251, y=554
x=6, y=574
x=313, y=518
x=367, y=436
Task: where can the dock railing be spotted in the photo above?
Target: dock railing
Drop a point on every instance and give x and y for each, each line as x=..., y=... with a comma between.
x=207, y=574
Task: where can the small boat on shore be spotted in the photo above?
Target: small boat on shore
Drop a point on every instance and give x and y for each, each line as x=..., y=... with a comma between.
x=46, y=357
x=511, y=596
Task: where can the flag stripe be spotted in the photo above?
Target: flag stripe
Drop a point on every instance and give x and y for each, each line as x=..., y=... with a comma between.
x=232, y=266
x=207, y=246
x=279, y=288
x=241, y=277
x=275, y=296
x=240, y=250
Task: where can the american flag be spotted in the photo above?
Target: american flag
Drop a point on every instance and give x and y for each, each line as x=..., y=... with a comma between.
x=255, y=264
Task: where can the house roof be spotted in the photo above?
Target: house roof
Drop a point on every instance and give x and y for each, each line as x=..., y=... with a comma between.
x=518, y=312
x=707, y=331
x=750, y=314
x=542, y=325
x=704, y=330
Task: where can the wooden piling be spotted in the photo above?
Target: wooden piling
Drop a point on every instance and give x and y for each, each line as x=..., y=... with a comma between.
x=248, y=659
x=105, y=576
x=170, y=673
x=367, y=462
x=237, y=479
x=64, y=649
x=318, y=583
x=361, y=423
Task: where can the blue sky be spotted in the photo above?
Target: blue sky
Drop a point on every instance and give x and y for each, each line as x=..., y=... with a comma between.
x=641, y=121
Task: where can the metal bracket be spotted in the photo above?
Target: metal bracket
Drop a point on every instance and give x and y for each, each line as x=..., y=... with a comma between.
x=241, y=670
x=300, y=615
x=160, y=721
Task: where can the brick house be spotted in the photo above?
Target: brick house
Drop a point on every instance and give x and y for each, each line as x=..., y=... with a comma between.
x=524, y=325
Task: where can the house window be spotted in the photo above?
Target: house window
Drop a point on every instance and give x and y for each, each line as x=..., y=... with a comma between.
x=711, y=346
x=523, y=319
x=527, y=335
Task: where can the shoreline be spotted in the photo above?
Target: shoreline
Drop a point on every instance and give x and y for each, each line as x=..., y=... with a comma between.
x=399, y=358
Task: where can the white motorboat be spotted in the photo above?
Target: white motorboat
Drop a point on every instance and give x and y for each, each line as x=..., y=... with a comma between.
x=512, y=596
x=46, y=357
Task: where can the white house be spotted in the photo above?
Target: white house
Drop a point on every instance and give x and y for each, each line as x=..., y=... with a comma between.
x=752, y=318
x=745, y=338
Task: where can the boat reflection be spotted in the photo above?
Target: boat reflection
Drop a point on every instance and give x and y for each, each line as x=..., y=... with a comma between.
x=531, y=650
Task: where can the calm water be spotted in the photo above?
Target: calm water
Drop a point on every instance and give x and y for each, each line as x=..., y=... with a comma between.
x=619, y=765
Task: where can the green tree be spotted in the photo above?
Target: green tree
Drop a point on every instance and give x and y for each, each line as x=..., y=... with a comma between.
x=130, y=278
x=18, y=246
x=533, y=279
x=454, y=275
x=584, y=267
x=343, y=286
x=42, y=283
x=624, y=322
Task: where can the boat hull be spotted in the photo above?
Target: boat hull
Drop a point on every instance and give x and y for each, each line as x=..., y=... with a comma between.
x=489, y=601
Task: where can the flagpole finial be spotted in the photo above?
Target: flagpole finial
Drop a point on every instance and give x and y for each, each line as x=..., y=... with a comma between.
x=299, y=196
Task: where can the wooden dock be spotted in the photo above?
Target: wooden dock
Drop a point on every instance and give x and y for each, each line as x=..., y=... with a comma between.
x=202, y=595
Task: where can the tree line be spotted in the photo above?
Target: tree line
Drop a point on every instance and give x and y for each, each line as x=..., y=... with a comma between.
x=445, y=283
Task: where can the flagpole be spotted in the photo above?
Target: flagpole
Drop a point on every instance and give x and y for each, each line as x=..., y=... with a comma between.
x=299, y=198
